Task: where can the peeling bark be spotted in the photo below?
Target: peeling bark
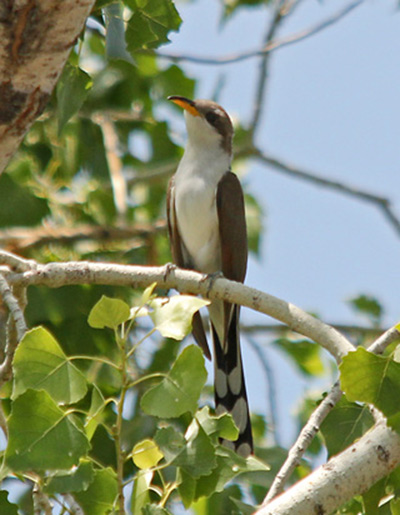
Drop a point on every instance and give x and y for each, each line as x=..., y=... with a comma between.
x=350, y=473
x=36, y=38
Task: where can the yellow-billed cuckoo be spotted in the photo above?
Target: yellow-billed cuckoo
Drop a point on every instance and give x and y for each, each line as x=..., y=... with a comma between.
x=207, y=230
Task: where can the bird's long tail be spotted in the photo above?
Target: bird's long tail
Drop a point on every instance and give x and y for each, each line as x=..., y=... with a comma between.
x=230, y=389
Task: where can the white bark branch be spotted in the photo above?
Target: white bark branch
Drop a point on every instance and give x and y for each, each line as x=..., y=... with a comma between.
x=388, y=337
x=36, y=39
x=16, y=325
x=350, y=473
x=303, y=441
x=55, y=275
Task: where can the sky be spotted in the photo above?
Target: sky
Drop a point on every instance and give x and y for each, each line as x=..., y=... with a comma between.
x=332, y=108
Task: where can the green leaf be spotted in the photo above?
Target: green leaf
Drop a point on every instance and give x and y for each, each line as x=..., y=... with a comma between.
x=395, y=506
x=6, y=507
x=229, y=465
x=221, y=425
x=146, y=454
x=373, y=379
x=100, y=4
x=180, y=390
x=172, y=317
x=150, y=23
x=198, y=456
x=42, y=436
x=223, y=503
x=186, y=488
x=108, y=312
x=140, y=308
x=153, y=509
x=232, y=5
x=369, y=306
x=344, y=424
x=170, y=441
x=100, y=497
x=372, y=498
x=139, y=32
x=305, y=355
x=173, y=77
x=39, y=363
x=95, y=414
x=71, y=92
x=115, y=33
x=141, y=490
x=75, y=480
x=18, y=205
x=243, y=508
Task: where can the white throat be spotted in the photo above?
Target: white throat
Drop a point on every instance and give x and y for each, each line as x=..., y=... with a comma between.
x=203, y=164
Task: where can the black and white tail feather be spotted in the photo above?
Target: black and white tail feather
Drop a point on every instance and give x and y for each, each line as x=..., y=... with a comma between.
x=229, y=386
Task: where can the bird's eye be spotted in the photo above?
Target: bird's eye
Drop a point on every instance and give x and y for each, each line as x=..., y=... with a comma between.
x=211, y=117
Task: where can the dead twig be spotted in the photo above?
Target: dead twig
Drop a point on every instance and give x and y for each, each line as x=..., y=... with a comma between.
x=274, y=45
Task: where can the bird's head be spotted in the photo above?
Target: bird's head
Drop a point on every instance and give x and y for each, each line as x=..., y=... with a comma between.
x=206, y=122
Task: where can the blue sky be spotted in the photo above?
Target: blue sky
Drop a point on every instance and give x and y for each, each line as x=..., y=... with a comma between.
x=332, y=108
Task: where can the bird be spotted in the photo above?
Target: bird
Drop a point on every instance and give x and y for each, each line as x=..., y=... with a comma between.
x=207, y=232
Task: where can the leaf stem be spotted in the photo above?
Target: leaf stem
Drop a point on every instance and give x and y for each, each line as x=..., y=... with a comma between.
x=118, y=426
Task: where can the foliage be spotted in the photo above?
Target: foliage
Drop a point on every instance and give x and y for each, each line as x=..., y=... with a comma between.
x=72, y=433
x=103, y=411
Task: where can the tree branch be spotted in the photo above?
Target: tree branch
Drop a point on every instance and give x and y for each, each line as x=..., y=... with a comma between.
x=272, y=46
x=55, y=275
x=350, y=473
x=117, y=178
x=358, y=330
x=313, y=424
x=25, y=238
x=36, y=40
x=303, y=441
x=271, y=390
x=16, y=326
x=380, y=202
x=388, y=337
x=279, y=14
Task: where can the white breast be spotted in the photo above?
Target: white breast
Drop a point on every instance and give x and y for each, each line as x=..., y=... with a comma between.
x=196, y=183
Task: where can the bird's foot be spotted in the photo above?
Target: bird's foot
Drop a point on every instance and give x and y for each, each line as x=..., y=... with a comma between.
x=210, y=279
x=168, y=268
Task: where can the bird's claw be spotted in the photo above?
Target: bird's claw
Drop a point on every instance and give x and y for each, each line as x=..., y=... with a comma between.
x=211, y=278
x=168, y=268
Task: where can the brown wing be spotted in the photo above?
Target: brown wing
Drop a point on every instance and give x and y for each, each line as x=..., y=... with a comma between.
x=177, y=256
x=232, y=227
x=233, y=235
x=173, y=232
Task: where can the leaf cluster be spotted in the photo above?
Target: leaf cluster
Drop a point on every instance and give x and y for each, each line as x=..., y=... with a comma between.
x=69, y=434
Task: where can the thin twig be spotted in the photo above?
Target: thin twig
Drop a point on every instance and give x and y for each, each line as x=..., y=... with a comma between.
x=388, y=337
x=262, y=81
x=24, y=238
x=271, y=390
x=16, y=327
x=342, y=328
x=312, y=426
x=12, y=304
x=41, y=503
x=274, y=45
x=16, y=263
x=115, y=166
x=303, y=441
x=380, y=202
